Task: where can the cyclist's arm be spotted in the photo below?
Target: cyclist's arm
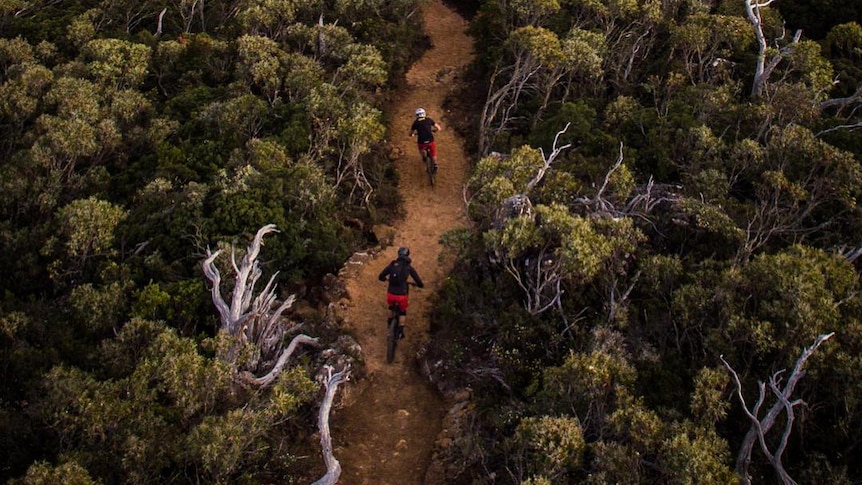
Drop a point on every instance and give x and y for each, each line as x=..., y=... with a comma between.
x=383, y=274
x=416, y=278
x=436, y=127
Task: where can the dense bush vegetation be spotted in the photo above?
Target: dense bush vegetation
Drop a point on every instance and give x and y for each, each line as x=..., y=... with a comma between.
x=649, y=205
x=132, y=139
x=693, y=204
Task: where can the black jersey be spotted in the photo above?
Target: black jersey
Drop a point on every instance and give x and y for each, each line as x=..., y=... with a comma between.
x=397, y=272
x=424, y=127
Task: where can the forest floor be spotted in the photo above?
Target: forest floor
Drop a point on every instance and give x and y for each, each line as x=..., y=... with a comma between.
x=385, y=430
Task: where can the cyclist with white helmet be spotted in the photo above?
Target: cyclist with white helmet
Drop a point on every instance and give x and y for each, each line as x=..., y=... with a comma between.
x=397, y=273
x=424, y=127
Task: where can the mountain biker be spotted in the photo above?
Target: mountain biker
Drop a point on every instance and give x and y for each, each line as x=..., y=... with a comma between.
x=397, y=272
x=425, y=128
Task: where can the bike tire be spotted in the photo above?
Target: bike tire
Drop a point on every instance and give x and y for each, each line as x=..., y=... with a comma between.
x=391, y=339
x=429, y=167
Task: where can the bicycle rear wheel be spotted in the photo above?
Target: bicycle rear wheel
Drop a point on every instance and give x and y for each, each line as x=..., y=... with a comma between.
x=391, y=339
x=429, y=167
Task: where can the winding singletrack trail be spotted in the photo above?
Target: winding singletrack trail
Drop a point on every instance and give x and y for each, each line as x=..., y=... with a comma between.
x=385, y=431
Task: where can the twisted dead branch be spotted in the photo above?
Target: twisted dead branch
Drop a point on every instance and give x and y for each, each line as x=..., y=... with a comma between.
x=254, y=323
x=761, y=426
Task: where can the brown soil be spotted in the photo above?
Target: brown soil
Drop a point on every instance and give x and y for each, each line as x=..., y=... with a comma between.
x=386, y=428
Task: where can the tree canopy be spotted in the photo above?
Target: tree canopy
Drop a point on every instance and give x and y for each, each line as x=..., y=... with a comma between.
x=139, y=141
x=700, y=226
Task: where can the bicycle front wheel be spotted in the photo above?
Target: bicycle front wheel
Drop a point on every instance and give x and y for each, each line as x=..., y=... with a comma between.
x=391, y=339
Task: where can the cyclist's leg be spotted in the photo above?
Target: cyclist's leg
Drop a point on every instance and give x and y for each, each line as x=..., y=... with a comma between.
x=402, y=310
x=422, y=147
x=392, y=302
x=402, y=318
x=402, y=313
x=433, y=148
x=397, y=305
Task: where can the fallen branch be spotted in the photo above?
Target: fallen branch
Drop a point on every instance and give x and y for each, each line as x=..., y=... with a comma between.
x=333, y=467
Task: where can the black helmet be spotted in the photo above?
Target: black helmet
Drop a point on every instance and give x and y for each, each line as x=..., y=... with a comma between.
x=403, y=252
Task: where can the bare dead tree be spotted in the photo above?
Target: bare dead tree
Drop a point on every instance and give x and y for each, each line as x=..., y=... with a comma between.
x=761, y=426
x=350, y=168
x=519, y=204
x=765, y=67
x=540, y=276
x=639, y=205
x=330, y=382
x=852, y=104
x=646, y=198
x=503, y=98
x=780, y=213
x=187, y=10
x=254, y=324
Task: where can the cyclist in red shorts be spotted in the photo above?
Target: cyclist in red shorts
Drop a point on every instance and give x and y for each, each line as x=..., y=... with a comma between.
x=397, y=273
x=425, y=127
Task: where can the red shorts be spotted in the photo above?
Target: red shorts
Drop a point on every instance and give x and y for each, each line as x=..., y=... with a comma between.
x=400, y=300
x=432, y=146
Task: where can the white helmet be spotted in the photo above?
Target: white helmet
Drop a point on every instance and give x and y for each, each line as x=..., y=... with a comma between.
x=420, y=113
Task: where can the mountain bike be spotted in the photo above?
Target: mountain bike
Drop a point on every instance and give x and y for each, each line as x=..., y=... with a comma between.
x=394, y=331
x=429, y=164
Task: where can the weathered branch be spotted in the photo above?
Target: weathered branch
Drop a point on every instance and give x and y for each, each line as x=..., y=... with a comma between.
x=333, y=467
x=849, y=127
x=555, y=152
x=851, y=254
x=273, y=374
x=761, y=426
x=841, y=103
x=599, y=200
x=598, y=203
x=161, y=17
x=775, y=459
x=615, y=303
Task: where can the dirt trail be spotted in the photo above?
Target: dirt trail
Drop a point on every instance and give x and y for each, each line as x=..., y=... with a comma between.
x=385, y=431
